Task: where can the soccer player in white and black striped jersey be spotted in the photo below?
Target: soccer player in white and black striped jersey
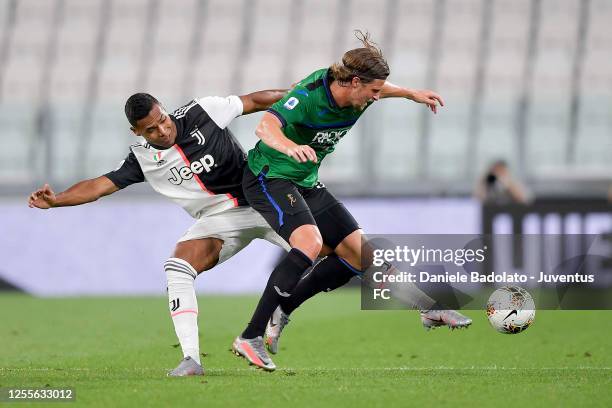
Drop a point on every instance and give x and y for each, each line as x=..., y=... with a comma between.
x=191, y=157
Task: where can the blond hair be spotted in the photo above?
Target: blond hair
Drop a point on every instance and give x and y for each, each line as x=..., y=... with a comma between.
x=367, y=63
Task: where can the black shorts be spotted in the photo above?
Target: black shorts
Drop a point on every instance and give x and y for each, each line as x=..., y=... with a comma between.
x=287, y=206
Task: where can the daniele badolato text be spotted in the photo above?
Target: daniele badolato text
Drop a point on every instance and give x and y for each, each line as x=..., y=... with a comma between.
x=476, y=277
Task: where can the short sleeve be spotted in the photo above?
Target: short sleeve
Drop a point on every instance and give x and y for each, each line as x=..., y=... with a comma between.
x=292, y=108
x=222, y=110
x=128, y=172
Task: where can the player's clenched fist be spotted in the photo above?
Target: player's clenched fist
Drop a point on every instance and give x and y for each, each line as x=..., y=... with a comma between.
x=42, y=198
x=302, y=153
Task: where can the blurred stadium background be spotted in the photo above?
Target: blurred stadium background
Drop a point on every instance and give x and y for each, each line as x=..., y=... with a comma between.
x=527, y=81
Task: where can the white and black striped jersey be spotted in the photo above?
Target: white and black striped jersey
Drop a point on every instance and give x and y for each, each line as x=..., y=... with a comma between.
x=202, y=171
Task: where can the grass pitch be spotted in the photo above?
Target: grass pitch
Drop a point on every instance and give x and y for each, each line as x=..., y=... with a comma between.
x=115, y=352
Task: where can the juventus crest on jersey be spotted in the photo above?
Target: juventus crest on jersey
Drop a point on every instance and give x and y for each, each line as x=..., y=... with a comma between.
x=202, y=171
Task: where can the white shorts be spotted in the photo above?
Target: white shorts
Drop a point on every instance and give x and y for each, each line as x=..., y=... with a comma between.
x=236, y=227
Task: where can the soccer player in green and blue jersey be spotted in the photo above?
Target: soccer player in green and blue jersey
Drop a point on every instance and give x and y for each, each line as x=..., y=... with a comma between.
x=281, y=182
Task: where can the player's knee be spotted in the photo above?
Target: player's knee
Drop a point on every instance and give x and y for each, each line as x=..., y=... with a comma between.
x=312, y=246
x=350, y=250
x=307, y=239
x=201, y=254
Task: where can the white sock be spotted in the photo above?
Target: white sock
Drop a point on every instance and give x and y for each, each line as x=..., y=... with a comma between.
x=183, y=305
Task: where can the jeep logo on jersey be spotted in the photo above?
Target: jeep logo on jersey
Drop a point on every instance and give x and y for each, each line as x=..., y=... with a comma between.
x=205, y=164
x=329, y=138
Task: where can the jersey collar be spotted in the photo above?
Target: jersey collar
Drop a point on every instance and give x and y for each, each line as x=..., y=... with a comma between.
x=330, y=97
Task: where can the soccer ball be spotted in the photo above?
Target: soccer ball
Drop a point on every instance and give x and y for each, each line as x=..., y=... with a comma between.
x=510, y=310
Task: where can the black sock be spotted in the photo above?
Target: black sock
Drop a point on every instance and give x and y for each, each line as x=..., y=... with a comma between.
x=281, y=283
x=325, y=276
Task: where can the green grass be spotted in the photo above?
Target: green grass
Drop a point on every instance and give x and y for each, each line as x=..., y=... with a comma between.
x=115, y=352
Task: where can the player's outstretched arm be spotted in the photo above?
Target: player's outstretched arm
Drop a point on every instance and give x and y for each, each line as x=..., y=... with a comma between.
x=429, y=98
x=82, y=192
x=261, y=100
x=270, y=132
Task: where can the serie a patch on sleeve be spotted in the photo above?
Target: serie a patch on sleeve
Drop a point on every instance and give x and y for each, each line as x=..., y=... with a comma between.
x=291, y=103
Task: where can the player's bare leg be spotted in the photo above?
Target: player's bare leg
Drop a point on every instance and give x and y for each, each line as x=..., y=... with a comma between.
x=202, y=254
x=189, y=259
x=350, y=249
